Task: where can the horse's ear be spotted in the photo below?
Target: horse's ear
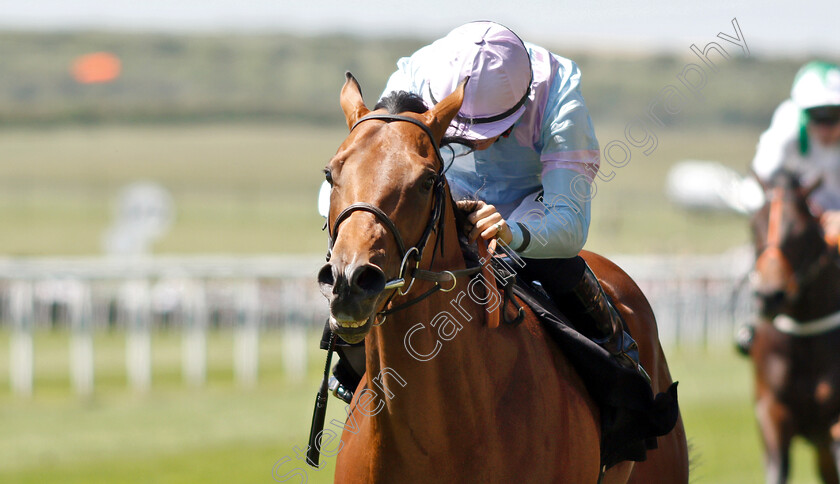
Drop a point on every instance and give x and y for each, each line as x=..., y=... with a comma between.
x=351, y=100
x=809, y=189
x=439, y=117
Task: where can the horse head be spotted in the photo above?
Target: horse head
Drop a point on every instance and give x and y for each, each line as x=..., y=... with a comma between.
x=388, y=192
x=789, y=244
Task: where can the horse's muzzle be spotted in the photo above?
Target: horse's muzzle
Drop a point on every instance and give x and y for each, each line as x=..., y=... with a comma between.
x=771, y=303
x=353, y=292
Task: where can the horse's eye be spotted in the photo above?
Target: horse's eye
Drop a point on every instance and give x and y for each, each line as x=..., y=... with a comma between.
x=429, y=182
x=328, y=175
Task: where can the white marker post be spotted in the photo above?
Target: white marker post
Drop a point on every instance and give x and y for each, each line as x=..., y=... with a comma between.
x=136, y=309
x=81, y=338
x=194, y=348
x=294, y=334
x=246, y=334
x=21, y=312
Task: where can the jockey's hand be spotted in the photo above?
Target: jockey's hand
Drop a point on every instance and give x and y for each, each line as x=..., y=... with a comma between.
x=830, y=220
x=484, y=221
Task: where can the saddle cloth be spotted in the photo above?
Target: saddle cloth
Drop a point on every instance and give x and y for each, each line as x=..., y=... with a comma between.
x=631, y=416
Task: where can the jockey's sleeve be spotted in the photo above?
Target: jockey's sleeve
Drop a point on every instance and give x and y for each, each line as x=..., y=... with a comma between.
x=564, y=136
x=554, y=223
x=778, y=144
x=403, y=79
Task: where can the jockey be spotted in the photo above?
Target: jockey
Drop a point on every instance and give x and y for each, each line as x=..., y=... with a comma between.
x=804, y=138
x=527, y=181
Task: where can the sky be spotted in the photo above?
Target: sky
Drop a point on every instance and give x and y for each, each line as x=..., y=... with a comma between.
x=769, y=28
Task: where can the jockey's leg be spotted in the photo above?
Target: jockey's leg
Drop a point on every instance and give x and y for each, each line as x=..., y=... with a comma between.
x=572, y=285
x=347, y=373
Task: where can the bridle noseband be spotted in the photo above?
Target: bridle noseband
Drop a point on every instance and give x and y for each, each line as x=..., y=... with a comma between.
x=415, y=252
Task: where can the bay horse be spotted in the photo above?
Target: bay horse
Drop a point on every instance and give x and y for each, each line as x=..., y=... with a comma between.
x=796, y=281
x=446, y=397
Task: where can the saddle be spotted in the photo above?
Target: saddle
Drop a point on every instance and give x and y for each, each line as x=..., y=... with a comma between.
x=631, y=416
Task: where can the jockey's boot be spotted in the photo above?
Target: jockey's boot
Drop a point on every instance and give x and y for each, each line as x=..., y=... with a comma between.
x=598, y=320
x=744, y=335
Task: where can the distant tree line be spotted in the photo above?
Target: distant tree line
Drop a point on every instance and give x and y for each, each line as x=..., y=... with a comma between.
x=189, y=78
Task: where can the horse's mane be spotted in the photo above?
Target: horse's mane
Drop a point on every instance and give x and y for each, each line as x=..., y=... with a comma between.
x=785, y=179
x=791, y=182
x=398, y=102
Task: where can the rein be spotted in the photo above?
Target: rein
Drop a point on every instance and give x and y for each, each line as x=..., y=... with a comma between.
x=414, y=253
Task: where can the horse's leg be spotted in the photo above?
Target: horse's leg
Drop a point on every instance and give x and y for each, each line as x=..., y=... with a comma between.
x=828, y=457
x=777, y=431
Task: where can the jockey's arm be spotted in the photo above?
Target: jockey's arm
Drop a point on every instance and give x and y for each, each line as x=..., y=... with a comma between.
x=556, y=224
x=553, y=225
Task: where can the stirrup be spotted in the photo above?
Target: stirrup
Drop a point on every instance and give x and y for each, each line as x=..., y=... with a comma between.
x=340, y=391
x=626, y=354
x=744, y=339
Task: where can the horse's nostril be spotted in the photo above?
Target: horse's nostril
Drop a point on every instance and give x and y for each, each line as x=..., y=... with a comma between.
x=325, y=276
x=772, y=301
x=369, y=279
x=776, y=297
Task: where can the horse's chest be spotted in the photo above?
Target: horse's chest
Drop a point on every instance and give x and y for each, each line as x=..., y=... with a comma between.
x=805, y=374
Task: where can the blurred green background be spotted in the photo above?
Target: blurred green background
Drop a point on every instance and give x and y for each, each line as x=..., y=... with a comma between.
x=238, y=129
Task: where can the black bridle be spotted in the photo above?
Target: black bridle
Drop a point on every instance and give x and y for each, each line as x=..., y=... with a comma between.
x=414, y=253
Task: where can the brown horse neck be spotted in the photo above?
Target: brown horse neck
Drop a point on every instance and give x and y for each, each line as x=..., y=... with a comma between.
x=821, y=296
x=434, y=354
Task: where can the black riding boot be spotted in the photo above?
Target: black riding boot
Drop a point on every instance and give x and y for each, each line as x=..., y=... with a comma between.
x=598, y=320
x=347, y=373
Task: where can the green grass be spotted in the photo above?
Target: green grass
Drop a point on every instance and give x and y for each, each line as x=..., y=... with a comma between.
x=716, y=401
x=221, y=433
x=252, y=188
x=631, y=214
x=237, y=188
x=172, y=434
